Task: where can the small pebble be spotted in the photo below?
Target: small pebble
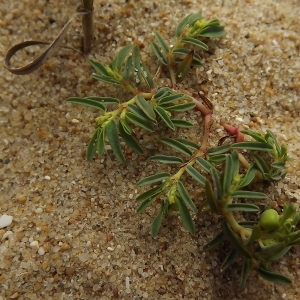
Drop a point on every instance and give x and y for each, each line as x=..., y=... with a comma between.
x=5, y=221
x=75, y=121
x=70, y=271
x=110, y=249
x=47, y=177
x=34, y=245
x=41, y=251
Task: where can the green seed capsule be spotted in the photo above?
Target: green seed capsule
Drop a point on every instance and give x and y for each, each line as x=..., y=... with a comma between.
x=269, y=220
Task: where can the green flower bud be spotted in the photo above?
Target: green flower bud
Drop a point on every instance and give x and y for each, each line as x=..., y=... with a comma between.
x=269, y=220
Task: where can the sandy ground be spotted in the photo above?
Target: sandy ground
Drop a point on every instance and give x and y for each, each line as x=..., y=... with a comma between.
x=75, y=233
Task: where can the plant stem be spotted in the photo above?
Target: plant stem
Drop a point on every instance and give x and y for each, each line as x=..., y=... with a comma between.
x=87, y=25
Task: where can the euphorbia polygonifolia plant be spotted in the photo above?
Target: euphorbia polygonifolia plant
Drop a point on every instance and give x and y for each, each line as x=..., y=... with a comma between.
x=223, y=171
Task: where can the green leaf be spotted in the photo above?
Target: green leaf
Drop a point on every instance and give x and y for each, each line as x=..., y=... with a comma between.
x=162, y=92
x=273, y=277
x=216, y=241
x=136, y=61
x=212, y=201
x=139, y=121
x=181, y=123
x=196, y=175
x=204, y=207
x=248, y=224
x=150, y=193
x=252, y=146
x=249, y=176
x=86, y=102
x=257, y=136
x=171, y=98
x=166, y=159
x=185, y=196
x=153, y=178
x=228, y=260
x=279, y=254
x=213, y=31
x=235, y=240
x=245, y=271
x=164, y=116
x=92, y=146
x=217, y=158
x=100, y=68
x=158, y=54
x=256, y=233
x=157, y=223
x=228, y=174
x=128, y=68
x=139, y=113
x=113, y=138
x=181, y=107
x=185, y=216
x=177, y=146
x=248, y=194
x=204, y=164
x=219, y=150
x=194, y=17
x=182, y=51
x=145, y=204
x=278, y=165
x=117, y=62
x=126, y=126
x=104, y=100
x=106, y=79
x=195, y=42
x=101, y=141
x=184, y=66
x=217, y=183
x=130, y=140
x=147, y=76
x=161, y=41
x=145, y=107
x=242, y=207
x=235, y=163
x=261, y=164
x=189, y=144
x=181, y=25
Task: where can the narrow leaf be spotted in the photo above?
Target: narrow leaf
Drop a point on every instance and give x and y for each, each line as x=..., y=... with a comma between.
x=113, y=138
x=248, y=195
x=166, y=159
x=104, y=100
x=196, y=175
x=252, y=146
x=219, y=150
x=92, y=146
x=117, y=62
x=101, y=141
x=184, y=66
x=171, y=99
x=185, y=196
x=189, y=144
x=228, y=176
x=213, y=31
x=216, y=241
x=177, y=146
x=150, y=193
x=217, y=183
x=156, y=223
x=100, y=68
x=130, y=140
x=279, y=254
x=164, y=116
x=139, y=113
x=128, y=68
x=261, y=164
x=147, y=76
x=211, y=199
x=185, y=216
x=126, y=126
x=204, y=164
x=87, y=102
x=257, y=136
x=242, y=207
x=245, y=271
x=273, y=277
x=145, y=107
x=145, y=204
x=106, y=79
x=161, y=41
x=139, y=121
x=181, y=107
x=181, y=25
x=153, y=178
x=181, y=123
x=194, y=17
x=250, y=175
x=217, y=158
x=194, y=42
x=158, y=54
x=228, y=260
x=235, y=163
x=161, y=93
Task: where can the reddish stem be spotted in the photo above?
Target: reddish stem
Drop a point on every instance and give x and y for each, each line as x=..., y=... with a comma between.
x=239, y=137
